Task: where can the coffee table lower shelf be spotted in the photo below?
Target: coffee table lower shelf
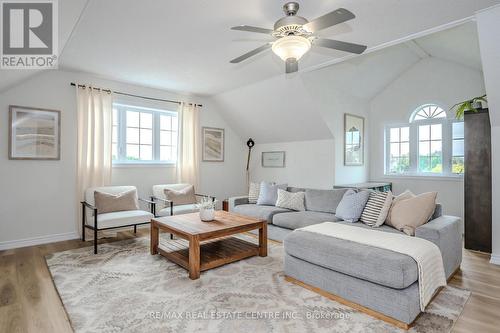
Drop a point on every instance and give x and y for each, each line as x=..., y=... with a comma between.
x=213, y=253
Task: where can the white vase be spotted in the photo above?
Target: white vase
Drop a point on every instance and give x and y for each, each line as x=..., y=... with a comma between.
x=207, y=214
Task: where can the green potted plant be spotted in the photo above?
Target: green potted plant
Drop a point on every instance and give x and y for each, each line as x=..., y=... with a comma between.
x=473, y=105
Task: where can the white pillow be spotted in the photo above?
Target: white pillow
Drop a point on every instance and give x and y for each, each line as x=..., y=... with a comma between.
x=376, y=208
x=289, y=200
x=253, y=193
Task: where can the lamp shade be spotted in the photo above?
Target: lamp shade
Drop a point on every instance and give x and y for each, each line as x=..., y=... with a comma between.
x=291, y=47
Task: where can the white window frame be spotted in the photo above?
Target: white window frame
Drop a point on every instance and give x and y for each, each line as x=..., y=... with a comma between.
x=447, y=147
x=121, y=160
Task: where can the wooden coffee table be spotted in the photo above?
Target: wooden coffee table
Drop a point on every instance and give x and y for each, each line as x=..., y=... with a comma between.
x=209, y=243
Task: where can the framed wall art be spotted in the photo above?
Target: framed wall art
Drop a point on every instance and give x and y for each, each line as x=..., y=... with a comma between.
x=34, y=133
x=354, y=134
x=273, y=159
x=213, y=144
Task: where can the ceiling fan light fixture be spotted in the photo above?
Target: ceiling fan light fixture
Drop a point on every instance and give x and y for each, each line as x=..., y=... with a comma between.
x=291, y=47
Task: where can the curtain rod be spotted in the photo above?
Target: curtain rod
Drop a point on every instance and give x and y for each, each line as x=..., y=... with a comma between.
x=138, y=96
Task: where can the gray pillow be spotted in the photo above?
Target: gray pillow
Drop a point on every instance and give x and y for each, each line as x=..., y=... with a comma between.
x=325, y=201
x=351, y=206
x=268, y=194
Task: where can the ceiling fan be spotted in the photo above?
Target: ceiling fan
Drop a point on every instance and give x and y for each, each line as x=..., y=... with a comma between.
x=295, y=36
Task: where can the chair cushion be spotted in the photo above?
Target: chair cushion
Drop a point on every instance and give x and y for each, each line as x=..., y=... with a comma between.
x=325, y=201
x=107, y=203
x=181, y=197
x=260, y=212
x=123, y=218
x=296, y=220
x=159, y=192
x=178, y=210
x=381, y=266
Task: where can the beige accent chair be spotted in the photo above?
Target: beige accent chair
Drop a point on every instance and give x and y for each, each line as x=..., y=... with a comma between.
x=91, y=219
x=165, y=207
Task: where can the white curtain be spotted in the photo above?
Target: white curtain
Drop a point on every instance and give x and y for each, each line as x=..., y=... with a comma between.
x=189, y=137
x=95, y=127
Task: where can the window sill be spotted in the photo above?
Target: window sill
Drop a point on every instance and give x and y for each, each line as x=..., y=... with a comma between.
x=456, y=178
x=143, y=165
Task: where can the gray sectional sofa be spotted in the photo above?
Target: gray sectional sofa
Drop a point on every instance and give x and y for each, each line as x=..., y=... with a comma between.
x=375, y=278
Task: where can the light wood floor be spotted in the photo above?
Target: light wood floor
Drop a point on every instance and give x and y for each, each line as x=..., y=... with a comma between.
x=30, y=303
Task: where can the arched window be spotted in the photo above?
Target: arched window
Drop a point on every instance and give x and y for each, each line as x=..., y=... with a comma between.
x=431, y=144
x=428, y=111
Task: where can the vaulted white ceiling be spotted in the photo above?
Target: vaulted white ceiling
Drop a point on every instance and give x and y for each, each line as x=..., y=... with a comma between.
x=186, y=45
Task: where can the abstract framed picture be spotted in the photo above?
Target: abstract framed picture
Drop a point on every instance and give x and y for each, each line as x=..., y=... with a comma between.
x=213, y=144
x=34, y=134
x=354, y=133
x=273, y=159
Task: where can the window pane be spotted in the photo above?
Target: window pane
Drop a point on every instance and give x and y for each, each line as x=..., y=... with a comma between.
x=405, y=149
x=132, y=119
x=458, y=130
x=404, y=164
x=424, y=149
x=436, y=164
x=146, y=136
x=133, y=152
x=423, y=132
x=165, y=122
x=174, y=123
x=458, y=147
x=133, y=135
x=174, y=139
x=395, y=150
x=146, y=152
x=146, y=120
x=114, y=150
x=165, y=153
x=458, y=165
x=165, y=138
x=424, y=164
x=436, y=132
x=115, y=117
x=405, y=134
x=436, y=148
x=115, y=134
x=394, y=135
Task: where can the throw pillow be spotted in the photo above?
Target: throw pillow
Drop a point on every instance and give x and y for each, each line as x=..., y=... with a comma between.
x=403, y=196
x=108, y=203
x=293, y=201
x=408, y=214
x=376, y=208
x=351, y=206
x=183, y=197
x=253, y=193
x=269, y=193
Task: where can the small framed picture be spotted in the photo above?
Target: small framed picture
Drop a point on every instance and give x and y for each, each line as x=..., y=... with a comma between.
x=213, y=144
x=34, y=134
x=273, y=159
x=354, y=131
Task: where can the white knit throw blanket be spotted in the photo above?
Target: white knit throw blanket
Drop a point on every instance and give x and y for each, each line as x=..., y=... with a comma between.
x=431, y=274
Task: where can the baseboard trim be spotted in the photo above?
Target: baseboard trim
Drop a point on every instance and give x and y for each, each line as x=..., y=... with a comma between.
x=495, y=259
x=14, y=244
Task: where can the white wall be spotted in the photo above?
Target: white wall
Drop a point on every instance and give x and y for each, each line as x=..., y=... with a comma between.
x=39, y=197
x=308, y=164
x=429, y=81
x=488, y=23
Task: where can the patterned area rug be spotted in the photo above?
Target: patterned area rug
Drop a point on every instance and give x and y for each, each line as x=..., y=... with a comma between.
x=125, y=289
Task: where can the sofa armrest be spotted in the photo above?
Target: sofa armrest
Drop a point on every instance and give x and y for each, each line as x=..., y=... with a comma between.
x=445, y=232
x=235, y=201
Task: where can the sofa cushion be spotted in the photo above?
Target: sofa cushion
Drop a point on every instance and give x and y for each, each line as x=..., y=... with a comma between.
x=351, y=206
x=253, y=192
x=296, y=220
x=260, y=212
x=293, y=201
x=117, y=219
x=408, y=214
x=381, y=266
x=325, y=201
x=268, y=193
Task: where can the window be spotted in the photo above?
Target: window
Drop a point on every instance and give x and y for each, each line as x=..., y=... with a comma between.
x=430, y=144
x=144, y=135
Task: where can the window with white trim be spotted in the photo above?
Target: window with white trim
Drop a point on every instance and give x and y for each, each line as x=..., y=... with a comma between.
x=429, y=145
x=144, y=135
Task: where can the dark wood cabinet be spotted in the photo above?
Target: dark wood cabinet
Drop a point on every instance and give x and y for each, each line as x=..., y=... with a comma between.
x=477, y=181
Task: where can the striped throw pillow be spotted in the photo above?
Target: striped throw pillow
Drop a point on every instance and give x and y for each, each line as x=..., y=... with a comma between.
x=376, y=208
x=253, y=193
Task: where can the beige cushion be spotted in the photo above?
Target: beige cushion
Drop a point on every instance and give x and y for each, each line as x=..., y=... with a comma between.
x=118, y=219
x=178, y=210
x=405, y=195
x=411, y=211
x=107, y=203
x=182, y=197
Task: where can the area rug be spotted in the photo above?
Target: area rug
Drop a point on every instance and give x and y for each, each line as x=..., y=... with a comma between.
x=125, y=289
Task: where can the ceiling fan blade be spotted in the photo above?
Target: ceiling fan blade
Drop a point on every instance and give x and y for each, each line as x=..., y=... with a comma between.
x=291, y=66
x=336, y=17
x=251, y=53
x=249, y=28
x=338, y=45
